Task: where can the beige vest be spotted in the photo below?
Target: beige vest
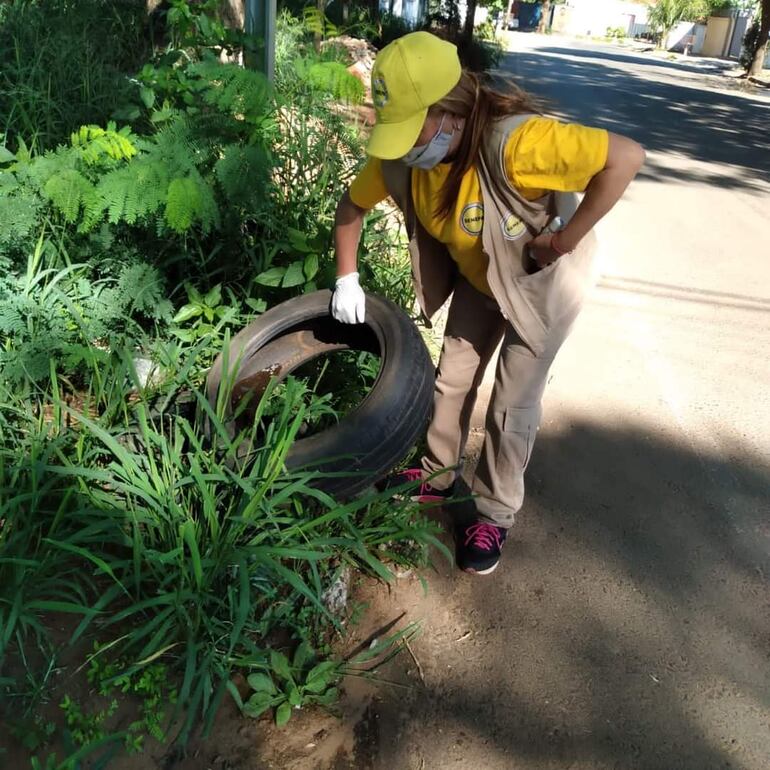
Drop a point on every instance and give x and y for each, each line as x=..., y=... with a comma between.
x=537, y=305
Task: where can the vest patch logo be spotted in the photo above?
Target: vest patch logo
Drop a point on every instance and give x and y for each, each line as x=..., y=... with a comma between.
x=379, y=92
x=512, y=226
x=472, y=218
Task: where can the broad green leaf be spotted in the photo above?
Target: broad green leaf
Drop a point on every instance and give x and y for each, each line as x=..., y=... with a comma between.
x=311, y=266
x=257, y=704
x=166, y=112
x=329, y=697
x=298, y=239
x=261, y=683
x=294, y=275
x=6, y=156
x=186, y=312
x=204, y=25
x=193, y=294
x=302, y=655
x=282, y=714
x=279, y=663
x=271, y=277
x=184, y=334
x=321, y=676
x=257, y=305
x=147, y=96
x=214, y=296
x=295, y=699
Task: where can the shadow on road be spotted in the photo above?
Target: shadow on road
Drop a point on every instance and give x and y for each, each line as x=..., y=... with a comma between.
x=704, y=67
x=689, y=120
x=626, y=627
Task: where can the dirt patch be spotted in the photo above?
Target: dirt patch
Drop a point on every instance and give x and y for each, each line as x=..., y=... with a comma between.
x=346, y=737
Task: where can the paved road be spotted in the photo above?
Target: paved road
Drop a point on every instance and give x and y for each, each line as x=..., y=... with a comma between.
x=629, y=623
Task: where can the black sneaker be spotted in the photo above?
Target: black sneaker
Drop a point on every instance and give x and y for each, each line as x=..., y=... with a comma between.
x=478, y=546
x=425, y=493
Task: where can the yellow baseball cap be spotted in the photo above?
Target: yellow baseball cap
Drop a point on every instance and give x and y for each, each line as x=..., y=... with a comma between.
x=409, y=74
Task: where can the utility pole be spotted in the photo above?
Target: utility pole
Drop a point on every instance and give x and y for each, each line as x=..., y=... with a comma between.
x=260, y=22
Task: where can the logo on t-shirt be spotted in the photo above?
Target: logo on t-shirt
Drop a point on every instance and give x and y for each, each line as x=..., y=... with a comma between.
x=512, y=226
x=472, y=218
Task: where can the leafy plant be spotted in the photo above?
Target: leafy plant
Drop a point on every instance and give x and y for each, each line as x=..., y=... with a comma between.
x=329, y=77
x=131, y=508
x=54, y=313
x=218, y=551
x=203, y=315
x=617, y=33
x=287, y=685
x=39, y=567
x=86, y=727
x=150, y=685
x=56, y=73
x=665, y=14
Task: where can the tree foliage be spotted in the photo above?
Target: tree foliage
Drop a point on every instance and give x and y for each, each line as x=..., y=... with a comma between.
x=666, y=14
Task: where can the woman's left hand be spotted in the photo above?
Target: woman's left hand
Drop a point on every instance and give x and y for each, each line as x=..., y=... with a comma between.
x=541, y=251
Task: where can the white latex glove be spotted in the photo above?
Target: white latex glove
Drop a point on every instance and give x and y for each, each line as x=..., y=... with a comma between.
x=348, y=300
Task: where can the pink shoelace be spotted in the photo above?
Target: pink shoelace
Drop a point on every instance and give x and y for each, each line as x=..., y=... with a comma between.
x=415, y=474
x=484, y=536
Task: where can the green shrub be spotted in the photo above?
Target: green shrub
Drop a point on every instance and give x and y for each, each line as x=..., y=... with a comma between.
x=180, y=548
x=56, y=73
x=616, y=33
x=127, y=506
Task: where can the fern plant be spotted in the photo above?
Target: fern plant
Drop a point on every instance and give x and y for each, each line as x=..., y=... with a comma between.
x=66, y=317
x=168, y=181
x=330, y=78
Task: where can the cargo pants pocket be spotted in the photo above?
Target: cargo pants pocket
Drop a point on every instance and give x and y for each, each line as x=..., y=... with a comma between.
x=524, y=422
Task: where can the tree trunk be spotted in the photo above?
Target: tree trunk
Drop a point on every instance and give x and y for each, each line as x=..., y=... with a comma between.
x=233, y=13
x=545, y=17
x=469, y=17
x=758, y=62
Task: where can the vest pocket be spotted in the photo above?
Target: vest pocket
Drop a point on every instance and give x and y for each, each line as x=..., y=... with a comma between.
x=554, y=294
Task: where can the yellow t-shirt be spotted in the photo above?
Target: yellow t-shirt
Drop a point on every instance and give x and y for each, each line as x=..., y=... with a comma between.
x=541, y=155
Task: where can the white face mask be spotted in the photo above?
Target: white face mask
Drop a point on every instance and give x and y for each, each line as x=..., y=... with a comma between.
x=429, y=155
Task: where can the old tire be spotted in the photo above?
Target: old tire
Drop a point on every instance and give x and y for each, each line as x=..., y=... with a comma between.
x=369, y=441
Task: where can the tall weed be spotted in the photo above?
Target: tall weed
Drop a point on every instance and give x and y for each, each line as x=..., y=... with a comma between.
x=199, y=556
x=56, y=73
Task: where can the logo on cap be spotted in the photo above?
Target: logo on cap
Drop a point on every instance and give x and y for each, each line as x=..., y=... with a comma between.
x=379, y=92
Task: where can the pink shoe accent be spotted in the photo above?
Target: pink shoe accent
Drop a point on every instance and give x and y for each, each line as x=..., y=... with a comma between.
x=426, y=493
x=484, y=536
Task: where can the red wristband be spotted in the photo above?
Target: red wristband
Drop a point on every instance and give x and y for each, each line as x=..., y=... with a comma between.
x=561, y=252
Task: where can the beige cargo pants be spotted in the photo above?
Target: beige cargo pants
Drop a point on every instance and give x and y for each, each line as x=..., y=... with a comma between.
x=474, y=329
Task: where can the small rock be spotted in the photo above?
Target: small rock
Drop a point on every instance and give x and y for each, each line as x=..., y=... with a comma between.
x=335, y=597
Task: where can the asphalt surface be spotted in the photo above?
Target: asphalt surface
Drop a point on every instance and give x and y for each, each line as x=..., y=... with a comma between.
x=628, y=625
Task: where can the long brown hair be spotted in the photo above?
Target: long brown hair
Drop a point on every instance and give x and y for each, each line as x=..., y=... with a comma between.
x=479, y=103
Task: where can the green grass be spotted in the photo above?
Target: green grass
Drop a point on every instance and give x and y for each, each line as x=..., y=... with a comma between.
x=168, y=546
x=131, y=511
